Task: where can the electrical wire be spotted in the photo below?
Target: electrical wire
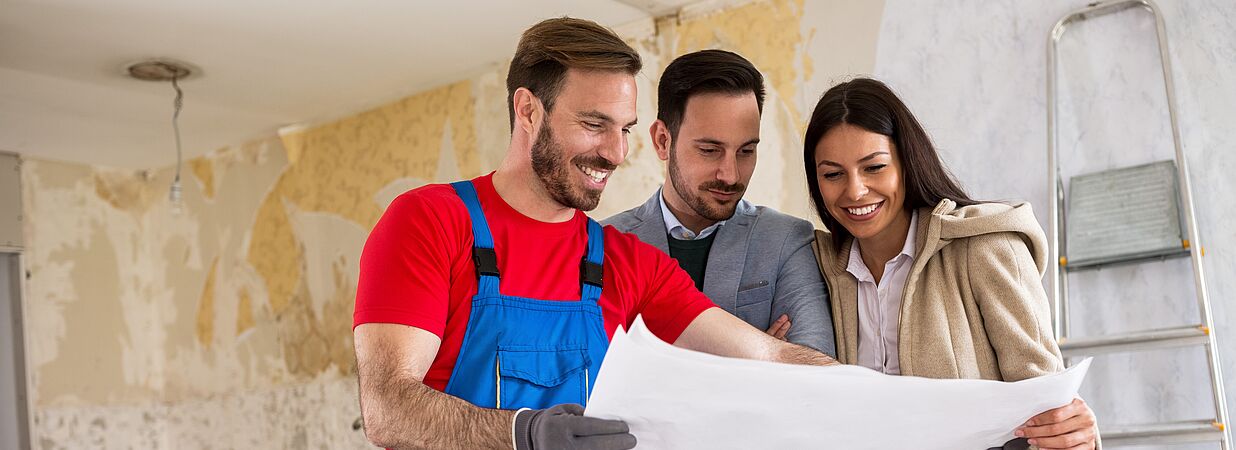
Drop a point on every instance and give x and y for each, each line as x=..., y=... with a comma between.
x=178, y=103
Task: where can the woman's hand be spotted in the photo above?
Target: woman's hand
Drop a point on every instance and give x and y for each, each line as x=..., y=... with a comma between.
x=1070, y=427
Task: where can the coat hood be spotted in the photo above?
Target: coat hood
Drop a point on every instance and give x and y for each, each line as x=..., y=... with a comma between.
x=945, y=222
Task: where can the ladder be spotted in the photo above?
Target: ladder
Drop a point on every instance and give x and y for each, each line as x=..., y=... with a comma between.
x=1177, y=178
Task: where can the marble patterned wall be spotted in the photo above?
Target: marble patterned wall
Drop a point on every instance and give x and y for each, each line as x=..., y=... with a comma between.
x=974, y=73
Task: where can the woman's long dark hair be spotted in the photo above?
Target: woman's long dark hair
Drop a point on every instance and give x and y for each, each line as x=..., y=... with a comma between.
x=869, y=104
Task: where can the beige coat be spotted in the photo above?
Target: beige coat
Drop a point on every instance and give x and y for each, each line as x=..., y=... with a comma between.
x=973, y=304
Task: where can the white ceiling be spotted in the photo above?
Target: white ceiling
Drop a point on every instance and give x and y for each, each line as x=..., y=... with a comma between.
x=266, y=64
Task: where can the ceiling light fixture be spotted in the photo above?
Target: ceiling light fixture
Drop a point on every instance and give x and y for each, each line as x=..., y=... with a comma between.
x=164, y=69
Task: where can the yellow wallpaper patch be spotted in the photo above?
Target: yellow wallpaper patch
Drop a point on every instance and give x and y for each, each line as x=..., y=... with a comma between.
x=244, y=312
x=126, y=191
x=206, y=308
x=765, y=32
x=313, y=344
x=204, y=169
x=340, y=166
x=293, y=143
x=275, y=254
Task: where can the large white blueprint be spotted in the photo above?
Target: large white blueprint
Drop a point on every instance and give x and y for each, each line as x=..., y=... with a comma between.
x=674, y=398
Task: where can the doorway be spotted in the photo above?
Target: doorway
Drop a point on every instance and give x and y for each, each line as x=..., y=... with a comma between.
x=14, y=413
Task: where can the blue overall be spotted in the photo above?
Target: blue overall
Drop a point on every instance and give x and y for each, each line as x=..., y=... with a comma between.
x=528, y=353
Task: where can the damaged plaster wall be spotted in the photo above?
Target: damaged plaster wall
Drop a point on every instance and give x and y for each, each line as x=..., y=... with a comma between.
x=229, y=324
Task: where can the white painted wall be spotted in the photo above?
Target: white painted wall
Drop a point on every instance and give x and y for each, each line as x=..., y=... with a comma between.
x=974, y=73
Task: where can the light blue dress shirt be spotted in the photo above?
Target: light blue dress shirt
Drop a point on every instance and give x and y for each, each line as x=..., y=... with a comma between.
x=679, y=231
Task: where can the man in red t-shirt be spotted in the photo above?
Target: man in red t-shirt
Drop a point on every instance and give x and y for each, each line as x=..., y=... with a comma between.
x=499, y=293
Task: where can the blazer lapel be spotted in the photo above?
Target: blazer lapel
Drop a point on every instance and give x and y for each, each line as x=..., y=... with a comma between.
x=651, y=227
x=726, y=260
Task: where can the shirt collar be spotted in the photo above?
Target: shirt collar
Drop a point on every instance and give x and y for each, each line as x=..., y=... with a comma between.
x=907, y=250
x=859, y=269
x=679, y=231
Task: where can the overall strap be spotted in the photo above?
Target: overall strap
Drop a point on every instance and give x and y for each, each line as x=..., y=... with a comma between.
x=483, y=254
x=592, y=267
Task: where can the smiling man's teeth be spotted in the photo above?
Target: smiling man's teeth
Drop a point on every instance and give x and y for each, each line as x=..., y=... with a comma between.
x=863, y=211
x=596, y=175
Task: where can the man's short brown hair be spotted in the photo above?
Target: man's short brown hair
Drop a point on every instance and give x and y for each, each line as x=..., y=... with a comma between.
x=548, y=49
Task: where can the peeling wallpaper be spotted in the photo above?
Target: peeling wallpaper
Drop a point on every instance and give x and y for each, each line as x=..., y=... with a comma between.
x=124, y=291
x=229, y=324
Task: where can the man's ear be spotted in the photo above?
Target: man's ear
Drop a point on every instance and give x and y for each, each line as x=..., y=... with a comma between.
x=529, y=111
x=661, y=139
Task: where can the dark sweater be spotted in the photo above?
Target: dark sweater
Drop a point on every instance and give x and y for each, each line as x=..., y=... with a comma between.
x=692, y=256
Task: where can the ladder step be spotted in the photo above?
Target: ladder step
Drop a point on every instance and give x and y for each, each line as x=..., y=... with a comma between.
x=1162, y=433
x=1099, y=263
x=1136, y=341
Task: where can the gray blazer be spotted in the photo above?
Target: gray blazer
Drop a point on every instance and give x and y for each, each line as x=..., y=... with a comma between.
x=761, y=266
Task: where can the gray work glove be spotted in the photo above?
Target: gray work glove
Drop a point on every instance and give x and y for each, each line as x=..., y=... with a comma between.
x=564, y=427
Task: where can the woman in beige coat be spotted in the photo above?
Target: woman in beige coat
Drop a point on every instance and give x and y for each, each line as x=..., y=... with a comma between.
x=925, y=281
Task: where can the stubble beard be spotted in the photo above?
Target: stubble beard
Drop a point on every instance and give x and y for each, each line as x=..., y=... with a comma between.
x=694, y=196
x=555, y=173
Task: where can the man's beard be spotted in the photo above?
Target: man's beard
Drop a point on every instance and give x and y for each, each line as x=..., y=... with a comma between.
x=555, y=174
x=695, y=196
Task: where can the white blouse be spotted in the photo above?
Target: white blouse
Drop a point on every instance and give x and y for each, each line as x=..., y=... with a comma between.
x=879, y=305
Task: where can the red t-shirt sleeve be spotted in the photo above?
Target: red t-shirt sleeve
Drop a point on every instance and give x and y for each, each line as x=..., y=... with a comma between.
x=405, y=265
x=669, y=301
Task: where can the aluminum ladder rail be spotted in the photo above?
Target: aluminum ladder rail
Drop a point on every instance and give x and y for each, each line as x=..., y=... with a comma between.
x=1200, y=334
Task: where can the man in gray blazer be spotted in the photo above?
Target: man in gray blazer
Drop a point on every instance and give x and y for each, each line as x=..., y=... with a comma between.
x=752, y=261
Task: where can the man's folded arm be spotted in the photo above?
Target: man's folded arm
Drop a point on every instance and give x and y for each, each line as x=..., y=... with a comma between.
x=720, y=333
x=401, y=412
